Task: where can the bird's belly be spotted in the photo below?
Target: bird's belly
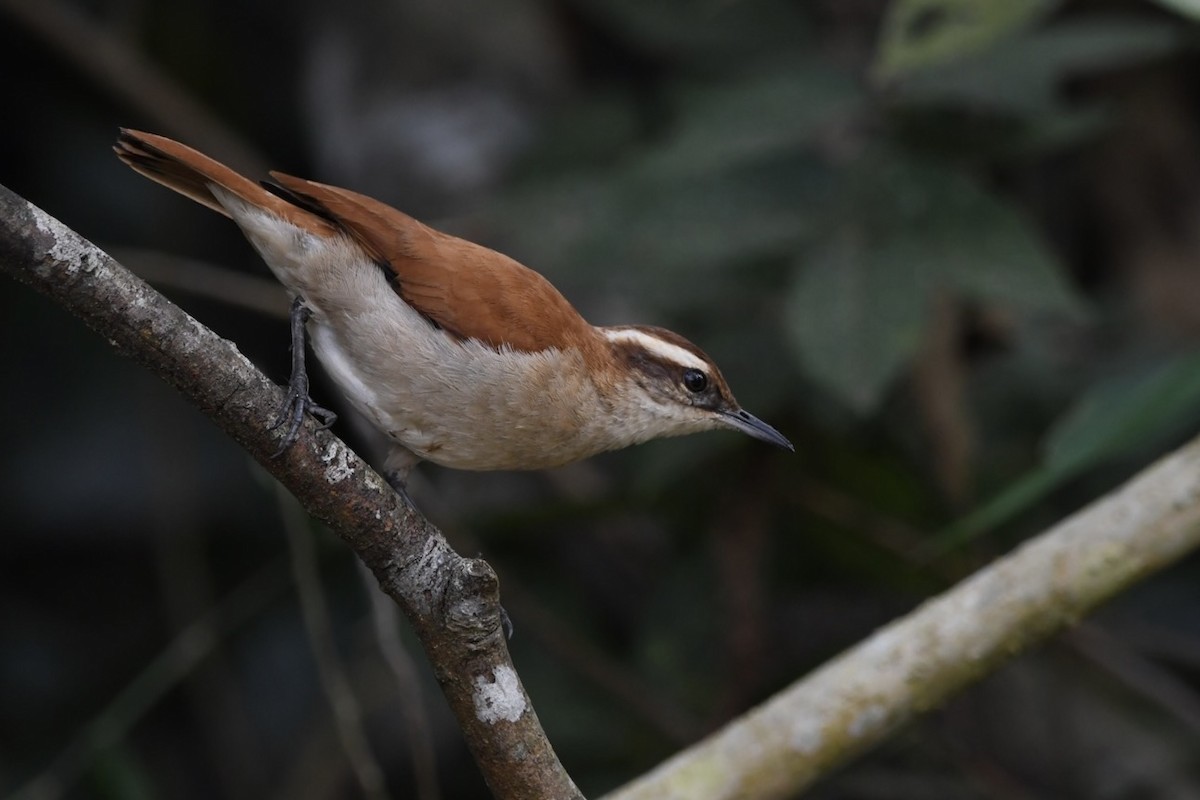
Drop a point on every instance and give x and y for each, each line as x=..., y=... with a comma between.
x=460, y=405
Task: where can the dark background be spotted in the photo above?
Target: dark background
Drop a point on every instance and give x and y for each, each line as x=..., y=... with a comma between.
x=951, y=249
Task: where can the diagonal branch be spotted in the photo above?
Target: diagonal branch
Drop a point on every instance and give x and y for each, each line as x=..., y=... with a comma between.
x=451, y=601
x=918, y=662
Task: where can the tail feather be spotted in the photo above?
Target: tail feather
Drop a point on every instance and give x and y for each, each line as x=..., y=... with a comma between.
x=193, y=175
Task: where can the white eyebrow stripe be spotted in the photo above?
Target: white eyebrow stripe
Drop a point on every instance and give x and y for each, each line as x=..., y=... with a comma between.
x=652, y=344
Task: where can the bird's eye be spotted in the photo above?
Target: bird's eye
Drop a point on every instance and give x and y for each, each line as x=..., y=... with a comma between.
x=695, y=381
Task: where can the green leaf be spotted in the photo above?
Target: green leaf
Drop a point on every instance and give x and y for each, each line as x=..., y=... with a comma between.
x=918, y=34
x=736, y=178
x=668, y=239
x=1115, y=418
x=908, y=229
x=1014, y=499
x=856, y=315
x=1022, y=74
x=1126, y=413
x=988, y=251
x=774, y=110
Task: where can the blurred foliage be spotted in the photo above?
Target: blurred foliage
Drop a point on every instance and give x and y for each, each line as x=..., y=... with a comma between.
x=1187, y=7
x=1116, y=417
x=922, y=34
x=950, y=247
x=904, y=232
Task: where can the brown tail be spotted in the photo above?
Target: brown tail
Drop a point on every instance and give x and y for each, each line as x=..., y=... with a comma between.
x=192, y=174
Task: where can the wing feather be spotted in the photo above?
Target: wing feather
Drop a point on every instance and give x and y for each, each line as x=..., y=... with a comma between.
x=466, y=289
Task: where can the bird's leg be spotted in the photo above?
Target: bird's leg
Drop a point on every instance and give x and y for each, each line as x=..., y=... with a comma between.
x=298, y=403
x=397, y=466
x=398, y=480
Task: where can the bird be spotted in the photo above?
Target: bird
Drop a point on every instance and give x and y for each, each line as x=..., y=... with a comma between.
x=457, y=354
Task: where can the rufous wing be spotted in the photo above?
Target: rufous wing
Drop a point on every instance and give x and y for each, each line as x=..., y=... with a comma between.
x=466, y=289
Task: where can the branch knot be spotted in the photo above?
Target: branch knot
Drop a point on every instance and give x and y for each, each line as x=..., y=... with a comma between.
x=471, y=606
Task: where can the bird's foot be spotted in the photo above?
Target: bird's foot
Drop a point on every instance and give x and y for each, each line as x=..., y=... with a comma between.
x=297, y=403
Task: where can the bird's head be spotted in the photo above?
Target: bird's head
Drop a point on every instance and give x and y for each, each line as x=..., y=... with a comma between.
x=670, y=387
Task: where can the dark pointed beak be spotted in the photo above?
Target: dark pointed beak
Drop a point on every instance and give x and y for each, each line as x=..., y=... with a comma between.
x=751, y=425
